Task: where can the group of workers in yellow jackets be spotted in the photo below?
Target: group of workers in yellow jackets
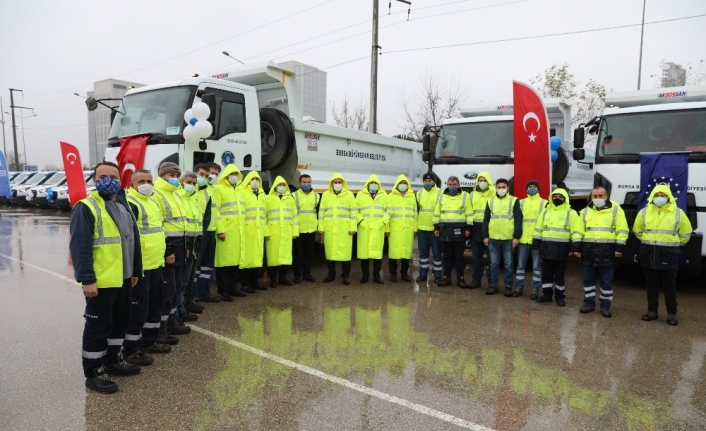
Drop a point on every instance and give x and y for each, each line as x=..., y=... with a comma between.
x=153, y=249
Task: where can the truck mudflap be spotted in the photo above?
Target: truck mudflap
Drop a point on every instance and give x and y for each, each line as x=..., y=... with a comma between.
x=692, y=259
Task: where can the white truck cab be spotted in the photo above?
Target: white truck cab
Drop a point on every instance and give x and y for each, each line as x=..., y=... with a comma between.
x=663, y=120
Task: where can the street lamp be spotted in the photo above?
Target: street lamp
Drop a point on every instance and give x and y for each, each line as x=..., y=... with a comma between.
x=228, y=55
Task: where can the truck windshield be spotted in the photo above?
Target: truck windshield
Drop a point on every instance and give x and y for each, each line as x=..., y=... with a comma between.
x=55, y=179
x=470, y=140
x=157, y=111
x=666, y=131
x=37, y=178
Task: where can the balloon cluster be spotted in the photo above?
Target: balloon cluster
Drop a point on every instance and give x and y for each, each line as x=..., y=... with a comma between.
x=198, y=126
x=555, y=143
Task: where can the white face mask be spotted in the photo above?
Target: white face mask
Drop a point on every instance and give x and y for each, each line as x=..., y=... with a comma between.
x=337, y=187
x=483, y=185
x=402, y=188
x=373, y=187
x=146, y=189
x=281, y=190
x=501, y=192
x=660, y=201
x=233, y=179
x=189, y=188
x=598, y=203
x=212, y=179
x=254, y=184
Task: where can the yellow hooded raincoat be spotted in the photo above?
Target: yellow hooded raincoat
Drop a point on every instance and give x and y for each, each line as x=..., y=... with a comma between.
x=229, y=219
x=372, y=220
x=402, y=213
x=338, y=216
x=282, y=224
x=254, y=215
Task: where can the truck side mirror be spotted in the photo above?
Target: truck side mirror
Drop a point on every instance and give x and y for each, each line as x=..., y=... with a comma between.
x=578, y=138
x=579, y=154
x=426, y=156
x=426, y=143
x=112, y=116
x=210, y=100
x=552, y=132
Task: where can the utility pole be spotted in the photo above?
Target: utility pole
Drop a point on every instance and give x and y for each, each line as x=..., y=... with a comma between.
x=373, y=125
x=642, y=37
x=2, y=121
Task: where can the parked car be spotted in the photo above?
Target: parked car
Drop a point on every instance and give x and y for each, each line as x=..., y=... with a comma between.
x=37, y=195
x=20, y=191
x=18, y=180
x=58, y=197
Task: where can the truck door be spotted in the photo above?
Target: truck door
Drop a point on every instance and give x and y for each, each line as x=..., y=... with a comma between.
x=228, y=143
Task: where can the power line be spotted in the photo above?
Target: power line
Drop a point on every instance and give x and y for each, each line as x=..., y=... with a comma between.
x=56, y=127
x=541, y=36
x=194, y=50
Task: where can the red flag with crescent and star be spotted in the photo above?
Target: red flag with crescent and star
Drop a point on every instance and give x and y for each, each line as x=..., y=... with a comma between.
x=75, y=180
x=131, y=157
x=532, y=150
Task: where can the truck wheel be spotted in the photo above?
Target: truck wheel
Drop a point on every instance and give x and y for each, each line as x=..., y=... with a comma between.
x=560, y=168
x=276, y=138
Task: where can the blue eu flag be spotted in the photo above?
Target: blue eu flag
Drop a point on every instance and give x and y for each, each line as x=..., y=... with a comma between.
x=671, y=169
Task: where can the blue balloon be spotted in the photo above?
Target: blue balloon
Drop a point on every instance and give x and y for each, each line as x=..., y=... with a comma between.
x=555, y=142
x=193, y=121
x=555, y=155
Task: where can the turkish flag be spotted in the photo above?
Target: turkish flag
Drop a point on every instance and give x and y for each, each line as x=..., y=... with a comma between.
x=131, y=157
x=75, y=180
x=531, y=135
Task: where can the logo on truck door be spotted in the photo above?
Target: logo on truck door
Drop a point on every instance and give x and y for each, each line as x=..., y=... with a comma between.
x=470, y=175
x=227, y=158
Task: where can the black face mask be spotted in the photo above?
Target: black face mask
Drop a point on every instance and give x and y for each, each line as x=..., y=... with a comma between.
x=557, y=202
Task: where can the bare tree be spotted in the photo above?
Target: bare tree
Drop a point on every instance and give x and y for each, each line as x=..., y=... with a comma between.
x=52, y=167
x=10, y=159
x=436, y=100
x=695, y=74
x=349, y=116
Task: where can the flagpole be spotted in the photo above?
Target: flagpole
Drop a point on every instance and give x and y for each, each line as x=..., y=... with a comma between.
x=642, y=37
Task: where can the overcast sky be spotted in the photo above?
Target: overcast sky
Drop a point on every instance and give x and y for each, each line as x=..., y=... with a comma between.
x=51, y=49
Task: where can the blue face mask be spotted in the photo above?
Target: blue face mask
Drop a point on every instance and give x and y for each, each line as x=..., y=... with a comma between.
x=107, y=186
x=428, y=186
x=532, y=192
x=306, y=187
x=453, y=190
x=173, y=181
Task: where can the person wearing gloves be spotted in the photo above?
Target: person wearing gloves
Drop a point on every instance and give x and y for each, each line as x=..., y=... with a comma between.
x=453, y=218
x=229, y=232
x=482, y=192
x=502, y=230
x=531, y=207
x=372, y=226
x=254, y=232
x=194, y=223
x=553, y=232
x=207, y=250
x=338, y=221
x=601, y=232
x=175, y=227
x=427, y=198
x=283, y=226
x=306, y=201
x=402, y=214
x=663, y=228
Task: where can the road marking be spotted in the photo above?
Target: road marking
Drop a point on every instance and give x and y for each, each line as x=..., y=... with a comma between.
x=419, y=408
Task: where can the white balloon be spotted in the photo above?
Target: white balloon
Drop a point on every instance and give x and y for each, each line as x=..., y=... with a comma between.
x=201, y=111
x=190, y=135
x=188, y=115
x=203, y=129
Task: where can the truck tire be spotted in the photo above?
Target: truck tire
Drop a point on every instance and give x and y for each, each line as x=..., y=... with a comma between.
x=560, y=168
x=276, y=138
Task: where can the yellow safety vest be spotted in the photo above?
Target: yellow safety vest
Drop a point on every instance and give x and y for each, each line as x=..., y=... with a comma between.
x=531, y=207
x=149, y=222
x=454, y=209
x=427, y=201
x=173, y=210
x=661, y=227
x=479, y=200
x=107, y=245
x=502, y=221
x=604, y=226
x=194, y=215
x=306, y=208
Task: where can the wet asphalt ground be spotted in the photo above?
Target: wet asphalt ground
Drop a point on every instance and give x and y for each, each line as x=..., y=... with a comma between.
x=398, y=356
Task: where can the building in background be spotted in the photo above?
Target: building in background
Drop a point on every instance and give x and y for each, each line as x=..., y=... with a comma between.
x=312, y=88
x=673, y=75
x=99, y=120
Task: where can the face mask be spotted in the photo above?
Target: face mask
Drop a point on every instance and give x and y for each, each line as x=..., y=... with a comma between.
x=146, y=189
x=373, y=187
x=502, y=192
x=483, y=185
x=201, y=181
x=306, y=187
x=254, y=184
x=337, y=187
x=557, y=202
x=532, y=192
x=190, y=188
x=107, y=186
x=233, y=179
x=599, y=203
x=453, y=190
x=173, y=181
x=428, y=186
x=212, y=179
x=660, y=201
x=281, y=190
x=402, y=188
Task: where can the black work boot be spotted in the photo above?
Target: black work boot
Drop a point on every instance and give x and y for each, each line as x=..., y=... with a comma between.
x=446, y=281
x=547, y=294
x=587, y=308
x=508, y=291
x=491, y=290
x=101, y=382
x=421, y=278
x=461, y=282
x=122, y=368
x=517, y=293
